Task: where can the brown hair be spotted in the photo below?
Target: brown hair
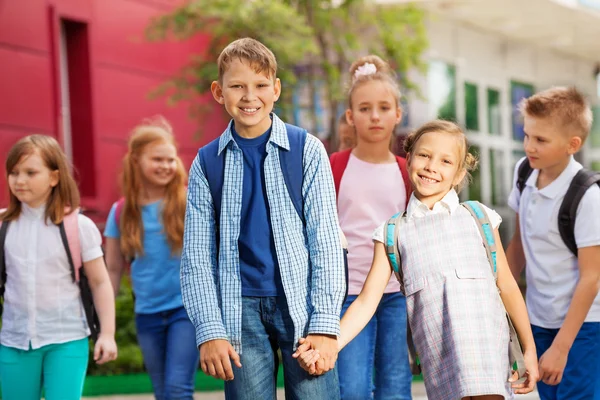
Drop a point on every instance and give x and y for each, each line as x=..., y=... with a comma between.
x=383, y=73
x=64, y=197
x=251, y=50
x=467, y=160
x=150, y=131
x=565, y=105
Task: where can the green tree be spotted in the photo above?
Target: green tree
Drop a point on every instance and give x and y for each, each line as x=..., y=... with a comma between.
x=315, y=41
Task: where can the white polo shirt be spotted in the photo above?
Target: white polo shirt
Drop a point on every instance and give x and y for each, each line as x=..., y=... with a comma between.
x=551, y=269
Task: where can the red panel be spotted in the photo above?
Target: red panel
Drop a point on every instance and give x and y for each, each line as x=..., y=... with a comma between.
x=73, y=9
x=24, y=24
x=26, y=99
x=119, y=39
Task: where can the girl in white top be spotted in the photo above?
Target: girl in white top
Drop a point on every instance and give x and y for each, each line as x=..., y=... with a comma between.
x=455, y=313
x=44, y=342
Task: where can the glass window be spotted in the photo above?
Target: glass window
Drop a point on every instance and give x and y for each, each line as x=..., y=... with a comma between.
x=493, y=112
x=475, y=186
x=595, y=132
x=497, y=172
x=442, y=89
x=518, y=92
x=471, y=107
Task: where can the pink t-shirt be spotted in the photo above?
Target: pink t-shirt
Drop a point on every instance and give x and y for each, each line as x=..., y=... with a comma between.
x=369, y=194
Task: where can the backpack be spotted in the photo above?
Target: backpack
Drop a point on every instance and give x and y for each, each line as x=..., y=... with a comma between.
x=292, y=167
x=69, y=234
x=567, y=213
x=339, y=162
x=391, y=234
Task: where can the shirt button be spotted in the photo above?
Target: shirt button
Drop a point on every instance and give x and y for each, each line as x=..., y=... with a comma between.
x=233, y=247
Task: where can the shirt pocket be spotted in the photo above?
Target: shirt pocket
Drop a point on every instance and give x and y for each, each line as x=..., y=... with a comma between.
x=472, y=272
x=413, y=285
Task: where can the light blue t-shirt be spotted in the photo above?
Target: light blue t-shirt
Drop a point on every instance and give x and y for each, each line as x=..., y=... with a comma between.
x=155, y=274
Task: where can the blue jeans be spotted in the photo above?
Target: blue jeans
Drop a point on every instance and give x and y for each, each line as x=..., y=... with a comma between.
x=266, y=327
x=375, y=363
x=168, y=343
x=581, y=378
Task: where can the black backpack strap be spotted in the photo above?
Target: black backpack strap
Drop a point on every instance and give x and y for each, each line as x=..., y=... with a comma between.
x=523, y=174
x=3, y=231
x=567, y=213
x=65, y=242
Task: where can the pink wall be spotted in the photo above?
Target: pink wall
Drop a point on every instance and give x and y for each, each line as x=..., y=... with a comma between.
x=124, y=68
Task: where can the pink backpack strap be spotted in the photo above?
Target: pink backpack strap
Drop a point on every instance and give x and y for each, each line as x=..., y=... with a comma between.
x=119, y=211
x=71, y=223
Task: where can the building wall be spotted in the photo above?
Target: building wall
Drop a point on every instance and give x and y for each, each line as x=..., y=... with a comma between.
x=123, y=69
x=492, y=62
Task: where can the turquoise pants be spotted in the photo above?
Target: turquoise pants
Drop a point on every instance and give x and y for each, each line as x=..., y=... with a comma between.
x=57, y=368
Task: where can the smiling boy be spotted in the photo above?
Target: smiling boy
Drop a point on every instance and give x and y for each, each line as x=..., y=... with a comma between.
x=258, y=271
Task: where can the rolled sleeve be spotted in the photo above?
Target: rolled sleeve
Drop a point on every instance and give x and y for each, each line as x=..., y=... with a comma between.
x=89, y=238
x=199, y=281
x=324, y=245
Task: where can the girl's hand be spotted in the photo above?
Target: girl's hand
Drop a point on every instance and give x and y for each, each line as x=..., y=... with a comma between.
x=105, y=349
x=532, y=374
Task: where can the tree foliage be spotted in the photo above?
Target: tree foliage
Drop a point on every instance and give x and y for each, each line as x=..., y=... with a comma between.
x=314, y=41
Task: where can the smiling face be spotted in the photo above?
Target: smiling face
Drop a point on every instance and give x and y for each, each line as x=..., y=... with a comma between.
x=158, y=164
x=374, y=112
x=435, y=166
x=31, y=181
x=248, y=96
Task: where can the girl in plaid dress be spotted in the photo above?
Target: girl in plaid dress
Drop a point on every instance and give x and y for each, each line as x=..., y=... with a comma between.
x=456, y=315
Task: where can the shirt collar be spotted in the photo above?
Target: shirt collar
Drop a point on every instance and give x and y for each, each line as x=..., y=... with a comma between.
x=35, y=213
x=558, y=185
x=447, y=204
x=278, y=134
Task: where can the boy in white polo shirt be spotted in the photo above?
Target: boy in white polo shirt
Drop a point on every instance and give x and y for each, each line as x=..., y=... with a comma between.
x=562, y=287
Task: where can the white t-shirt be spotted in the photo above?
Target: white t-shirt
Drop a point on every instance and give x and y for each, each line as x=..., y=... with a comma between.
x=42, y=304
x=448, y=204
x=551, y=269
x=369, y=193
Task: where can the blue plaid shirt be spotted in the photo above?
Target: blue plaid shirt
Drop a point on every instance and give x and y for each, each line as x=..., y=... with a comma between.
x=310, y=259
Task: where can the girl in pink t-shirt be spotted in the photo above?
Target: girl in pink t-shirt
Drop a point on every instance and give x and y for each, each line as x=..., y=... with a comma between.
x=371, y=185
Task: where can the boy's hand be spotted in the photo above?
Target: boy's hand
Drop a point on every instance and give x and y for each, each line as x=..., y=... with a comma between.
x=105, y=349
x=328, y=351
x=215, y=359
x=305, y=354
x=552, y=364
x=532, y=375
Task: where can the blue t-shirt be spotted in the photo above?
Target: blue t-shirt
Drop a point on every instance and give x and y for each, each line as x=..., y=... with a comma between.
x=259, y=268
x=155, y=274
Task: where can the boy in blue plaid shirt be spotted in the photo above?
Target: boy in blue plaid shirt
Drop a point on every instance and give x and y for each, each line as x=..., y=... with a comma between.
x=268, y=276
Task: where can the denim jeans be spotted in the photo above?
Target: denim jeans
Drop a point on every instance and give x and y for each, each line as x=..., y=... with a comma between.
x=374, y=365
x=168, y=343
x=581, y=378
x=267, y=327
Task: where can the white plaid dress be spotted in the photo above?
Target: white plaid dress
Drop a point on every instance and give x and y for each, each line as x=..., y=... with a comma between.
x=455, y=312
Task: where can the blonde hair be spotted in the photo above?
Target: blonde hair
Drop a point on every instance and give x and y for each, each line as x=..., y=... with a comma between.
x=150, y=131
x=372, y=68
x=260, y=58
x=64, y=197
x=564, y=105
x=467, y=161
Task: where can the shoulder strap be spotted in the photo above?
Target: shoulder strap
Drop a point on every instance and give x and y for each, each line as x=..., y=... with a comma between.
x=339, y=162
x=523, y=174
x=119, y=211
x=213, y=166
x=567, y=213
x=69, y=234
x=292, y=166
x=404, y=171
x=3, y=231
x=390, y=237
x=486, y=230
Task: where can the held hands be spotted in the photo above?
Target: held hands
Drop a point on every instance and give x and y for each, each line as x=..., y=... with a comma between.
x=105, y=349
x=317, y=354
x=215, y=359
x=531, y=376
x=552, y=364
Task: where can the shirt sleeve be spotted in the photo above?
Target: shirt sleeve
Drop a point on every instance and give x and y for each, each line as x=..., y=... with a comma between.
x=324, y=246
x=89, y=238
x=587, y=222
x=493, y=216
x=378, y=234
x=111, y=229
x=514, y=198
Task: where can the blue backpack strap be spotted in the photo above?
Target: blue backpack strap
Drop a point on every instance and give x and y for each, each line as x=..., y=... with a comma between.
x=292, y=166
x=390, y=236
x=486, y=230
x=213, y=166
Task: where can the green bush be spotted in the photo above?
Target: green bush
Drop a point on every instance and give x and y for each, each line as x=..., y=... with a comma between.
x=130, y=358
